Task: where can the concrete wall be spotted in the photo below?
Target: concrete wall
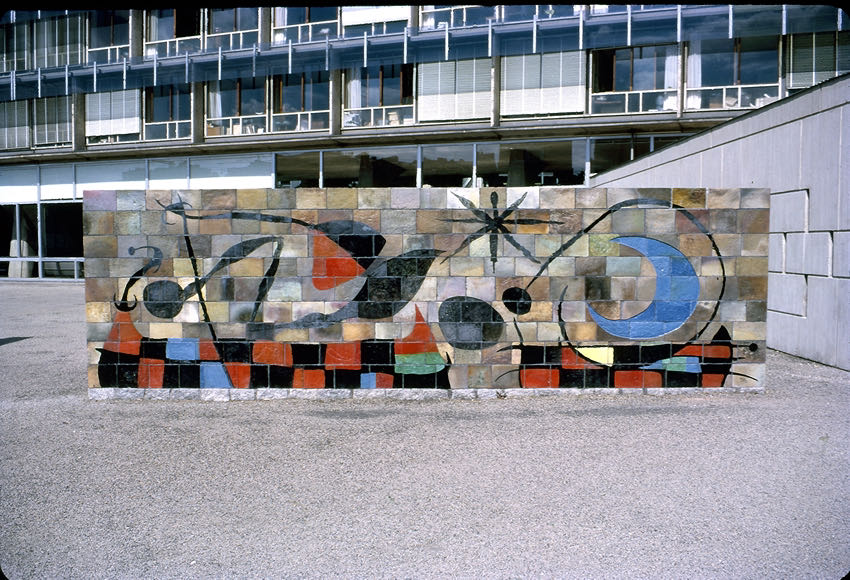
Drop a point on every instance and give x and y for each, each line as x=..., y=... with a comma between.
x=352, y=289
x=799, y=148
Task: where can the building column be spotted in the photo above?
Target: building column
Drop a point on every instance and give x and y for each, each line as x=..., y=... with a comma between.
x=265, y=26
x=335, y=101
x=496, y=89
x=78, y=121
x=198, y=119
x=137, y=32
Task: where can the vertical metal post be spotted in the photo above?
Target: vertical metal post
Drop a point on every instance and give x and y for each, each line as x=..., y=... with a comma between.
x=186, y=74
x=447, y=43
x=419, y=166
x=785, y=19
x=67, y=83
x=534, y=34
x=95, y=77
x=12, y=83
x=39, y=82
x=678, y=23
x=406, y=29
x=629, y=24
x=219, y=63
x=124, y=75
x=154, y=68
x=365, y=49
x=321, y=169
x=289, y=56
x=490, y=37
x=731, y=26
x=581, y=29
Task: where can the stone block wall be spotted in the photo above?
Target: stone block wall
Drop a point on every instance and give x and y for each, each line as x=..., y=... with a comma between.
x=278, y=290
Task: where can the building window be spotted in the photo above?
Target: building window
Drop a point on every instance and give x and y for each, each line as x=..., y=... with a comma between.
x=173, y=31
x=59, y=41
x=304, y=24
x=642, y=79
x=534, y=84
x=447, y=165
x=52, y=121
x=452, y=89
x=168, y=112
x=532, y=163
x=15, y=44
x=374, y=167
x=14, y=125
x=372, y=20
x=61, y=237
x=379, y=95
x=236, y=106
x=19, y=236
x=109, y=35
x=301, y=101
x=734, y=68
x=816, y=57
x=233, y=28
x=433, y=16
x=113, y=117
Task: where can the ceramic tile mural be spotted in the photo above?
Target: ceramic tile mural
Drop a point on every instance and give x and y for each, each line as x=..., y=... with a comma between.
x=538, y=287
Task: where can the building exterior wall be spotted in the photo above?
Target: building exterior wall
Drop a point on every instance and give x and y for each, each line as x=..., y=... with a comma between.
x=800, y=150
x=258, y=290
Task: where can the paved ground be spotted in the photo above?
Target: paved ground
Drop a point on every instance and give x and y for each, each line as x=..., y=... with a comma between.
x=690, y=486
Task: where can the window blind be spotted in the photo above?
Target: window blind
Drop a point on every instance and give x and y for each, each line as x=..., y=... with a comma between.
x=816, y=57
x=543, y=83
x=52, y=122
x=115, y=113
x=454, y=90
x=14, y=128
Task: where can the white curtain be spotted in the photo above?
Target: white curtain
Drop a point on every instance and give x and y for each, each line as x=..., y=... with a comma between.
x=215, y=101
x=694, y=65
x=354, y=81
x=671, y=69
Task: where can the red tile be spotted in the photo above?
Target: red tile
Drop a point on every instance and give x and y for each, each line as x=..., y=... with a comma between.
x=539, y=378
x=151, y=372
x=308, y=379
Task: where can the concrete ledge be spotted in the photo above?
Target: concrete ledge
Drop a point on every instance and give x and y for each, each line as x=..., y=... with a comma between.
x=225, y=395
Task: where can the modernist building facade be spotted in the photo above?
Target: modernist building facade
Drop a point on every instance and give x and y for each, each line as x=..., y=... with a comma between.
x=392, y=96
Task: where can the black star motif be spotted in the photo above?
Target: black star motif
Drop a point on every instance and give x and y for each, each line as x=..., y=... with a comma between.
x=493, y=225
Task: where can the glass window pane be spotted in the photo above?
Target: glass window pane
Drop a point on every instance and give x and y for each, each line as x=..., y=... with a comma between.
x=297, y=169
x=57, y=181
x=705, y=22
x=447, y=165
x=7, y=231
x=536, y=163
x=253, y=96
x=812, y=18
x=623, y=69
x=606, y=32
x=62, y=230
x=377, y=167
x=168, y=173
x=223, y=99
x=653, y=28
x=319, y=98
x=606, y=154
x=323, y=13
x=712, y=63
x=759, y=60
x=756, y=20
x=225, y=171
x=222, y=20
x=247, y=18
x=161, y=24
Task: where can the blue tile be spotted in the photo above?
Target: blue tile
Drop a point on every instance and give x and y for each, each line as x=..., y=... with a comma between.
x=182, y=349
x=214, y=376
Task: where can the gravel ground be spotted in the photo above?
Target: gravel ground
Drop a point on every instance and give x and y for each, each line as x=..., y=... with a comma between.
x=682, y=486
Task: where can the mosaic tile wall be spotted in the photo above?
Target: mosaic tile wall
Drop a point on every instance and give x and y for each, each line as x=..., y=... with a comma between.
x=426, y=288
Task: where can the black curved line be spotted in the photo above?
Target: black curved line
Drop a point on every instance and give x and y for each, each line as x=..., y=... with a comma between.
x=153, y=264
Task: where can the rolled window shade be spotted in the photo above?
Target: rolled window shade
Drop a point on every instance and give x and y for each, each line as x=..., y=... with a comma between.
x=450, y=90
x=14, y=126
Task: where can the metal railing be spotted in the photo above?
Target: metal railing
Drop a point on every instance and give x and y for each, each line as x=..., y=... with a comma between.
x=232, y=40
x=307, y=32
x=173, y=46
x=634, y=102
x=301, y=121
x=731, y=97
x=378, y=116
x=107, y=54
x=164, y=130
x=242, y=125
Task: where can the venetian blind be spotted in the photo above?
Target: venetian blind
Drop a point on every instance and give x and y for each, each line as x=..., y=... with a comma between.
x=543, y=83
x=14, y=127
x=52, y=122
x=114, y=113
x=451, y=89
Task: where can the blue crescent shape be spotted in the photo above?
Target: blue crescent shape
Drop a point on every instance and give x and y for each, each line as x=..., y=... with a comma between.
x=676, y=293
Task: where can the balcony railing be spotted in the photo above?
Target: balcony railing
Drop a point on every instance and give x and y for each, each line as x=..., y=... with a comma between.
x=164, y=130
x=173, y=46
x=233, y=40
x=732, y=97
x=107, y=54
x=243, y=125
x=378, y=116
x=308, y=32
x=302, y=121
x=634, y=102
